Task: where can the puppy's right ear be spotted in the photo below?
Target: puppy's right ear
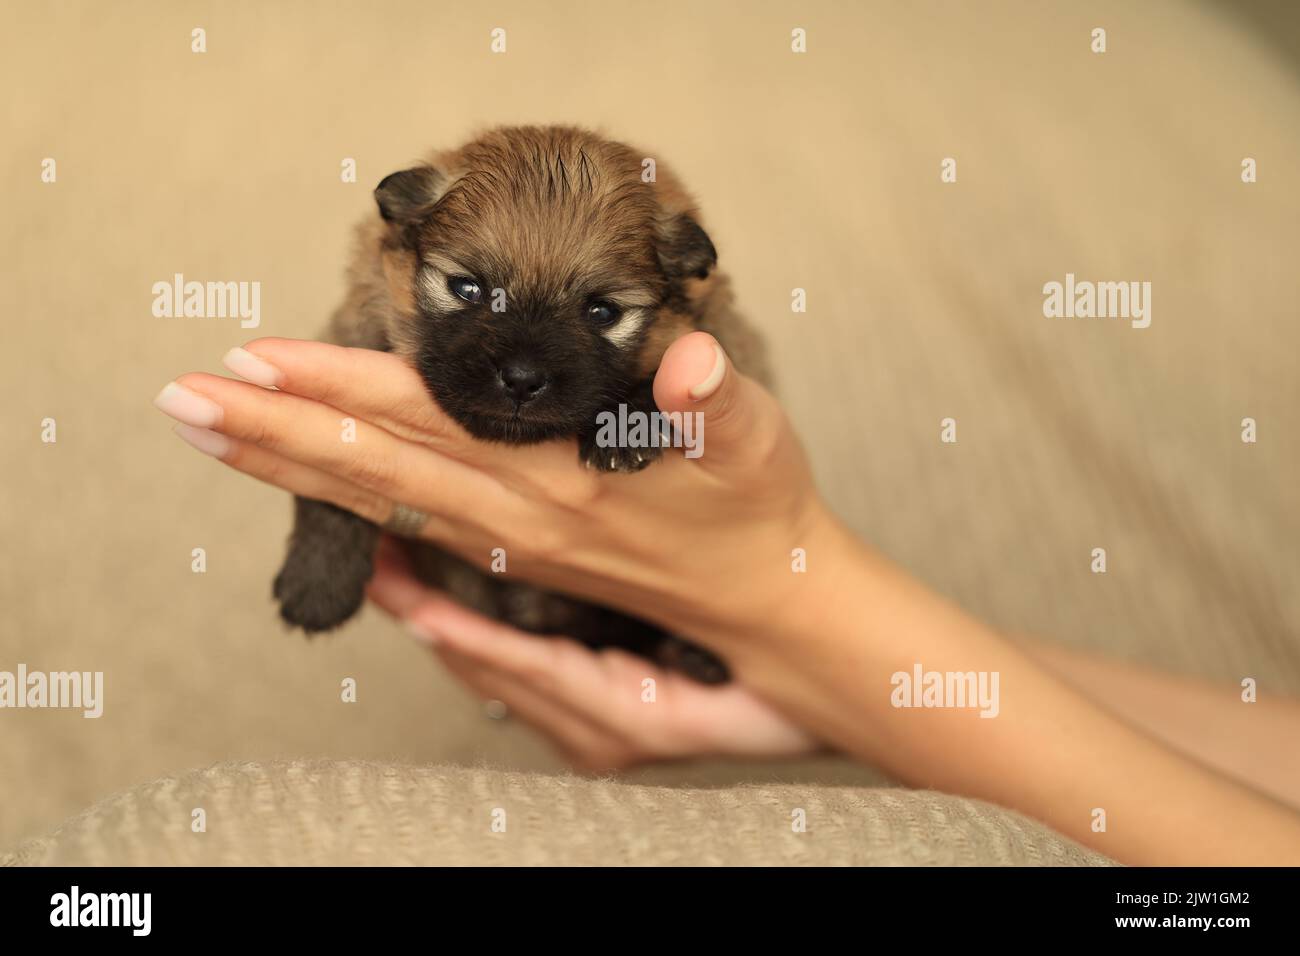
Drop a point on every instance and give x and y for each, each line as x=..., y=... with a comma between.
x=407, y=197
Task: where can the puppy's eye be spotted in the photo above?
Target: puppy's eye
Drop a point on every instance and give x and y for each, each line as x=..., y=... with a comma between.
x=603, y=312
x=463, y=287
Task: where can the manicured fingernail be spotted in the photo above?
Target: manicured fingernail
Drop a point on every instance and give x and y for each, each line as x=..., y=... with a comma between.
x=421, y=633
x=204, y=439
x=188, y=407
x=710, y=384
x=251, y=368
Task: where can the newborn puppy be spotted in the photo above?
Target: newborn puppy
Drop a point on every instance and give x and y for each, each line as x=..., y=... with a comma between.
x=534, y=277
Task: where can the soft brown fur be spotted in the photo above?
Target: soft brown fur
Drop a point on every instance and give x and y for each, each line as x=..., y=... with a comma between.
x=379, y=309
x=557, y=216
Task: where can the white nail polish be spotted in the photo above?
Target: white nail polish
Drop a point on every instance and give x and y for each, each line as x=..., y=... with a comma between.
x=188, y=407
x=710, y=384
x=204, y=439
x=251, y=368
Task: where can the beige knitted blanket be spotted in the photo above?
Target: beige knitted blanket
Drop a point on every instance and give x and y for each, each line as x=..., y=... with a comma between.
x=305, y=813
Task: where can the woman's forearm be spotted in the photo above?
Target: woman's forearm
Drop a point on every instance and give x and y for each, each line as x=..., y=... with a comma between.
x=1257, y=743
x=1044, y=749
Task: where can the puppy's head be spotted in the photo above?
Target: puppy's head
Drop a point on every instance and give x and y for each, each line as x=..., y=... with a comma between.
x=538, y=277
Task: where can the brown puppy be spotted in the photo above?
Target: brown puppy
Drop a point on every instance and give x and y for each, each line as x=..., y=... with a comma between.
x=534, y=277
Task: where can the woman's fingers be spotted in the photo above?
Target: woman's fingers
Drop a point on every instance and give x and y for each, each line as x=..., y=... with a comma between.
x=395, y=589
x=740, y=419
x=380, y=388
x=649, y=712
x=559, y=681
x=322, y=438
x=608, y=688
x=297, y=478
x=582, y=743
x=286, y=473
x=556, y=668
x=605, y=687
x=369, y=384
x=655, y=713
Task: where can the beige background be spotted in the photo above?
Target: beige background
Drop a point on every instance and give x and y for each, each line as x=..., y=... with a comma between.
x=818, y=171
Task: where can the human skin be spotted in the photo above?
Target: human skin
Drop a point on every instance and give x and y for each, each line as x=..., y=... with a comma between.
x=704, y=547
x=1255, y=743
x=581, y=700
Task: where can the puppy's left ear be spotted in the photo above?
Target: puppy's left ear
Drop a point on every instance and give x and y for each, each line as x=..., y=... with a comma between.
x=685, y=250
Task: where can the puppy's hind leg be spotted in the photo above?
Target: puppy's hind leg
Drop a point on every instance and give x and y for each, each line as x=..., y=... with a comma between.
x=601, y=627
x=692, y=660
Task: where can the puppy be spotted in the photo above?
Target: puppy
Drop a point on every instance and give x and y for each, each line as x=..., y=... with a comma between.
x=534, y=277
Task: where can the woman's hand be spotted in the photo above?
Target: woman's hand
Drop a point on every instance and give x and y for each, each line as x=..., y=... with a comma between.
x=604, y=710
x=700, y=546
x=703, y=547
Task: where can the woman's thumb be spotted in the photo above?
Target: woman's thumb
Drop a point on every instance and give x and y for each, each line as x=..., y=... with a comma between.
x=697, y=379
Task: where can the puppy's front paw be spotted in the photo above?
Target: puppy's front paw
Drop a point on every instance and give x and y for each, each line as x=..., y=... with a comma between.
x=318, y=590
x=615, y=458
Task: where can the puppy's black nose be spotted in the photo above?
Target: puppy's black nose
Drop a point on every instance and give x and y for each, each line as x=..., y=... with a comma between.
x=522, y=382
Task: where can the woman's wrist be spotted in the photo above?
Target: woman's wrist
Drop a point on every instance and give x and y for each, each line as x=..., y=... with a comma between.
x=773, y=586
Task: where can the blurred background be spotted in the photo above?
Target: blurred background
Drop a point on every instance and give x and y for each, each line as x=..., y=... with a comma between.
x=817, y=171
